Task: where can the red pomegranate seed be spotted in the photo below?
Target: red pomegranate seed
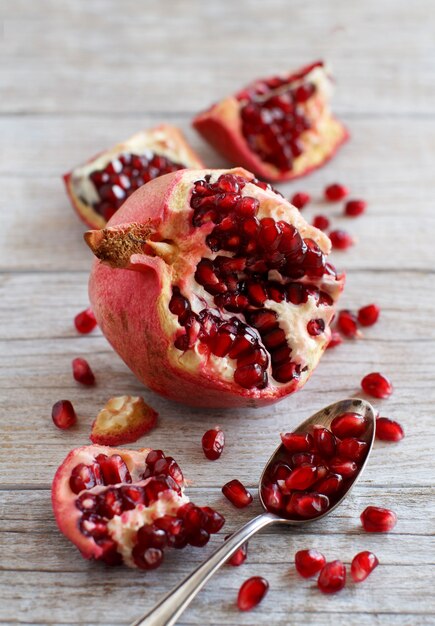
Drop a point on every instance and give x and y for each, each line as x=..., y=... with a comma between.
x=324, y=441
x=336, y=192
x=82, y=372
x=377, y=385
x=316, y=327
x=368, y=315
x=309, y=562
x=85, y=321
x=297, y=443
x=239, y=556
x=353, y=208
x=237, y=493
x=302, y=478
x=377, y=520
x=348, y=425
x=213, y=442
x=252, y=592
x=335, y=340
x=340, y=239
x=347, y=323
x=63, y=414
x=147, y=558
x=352, y=449
x=321, y=222
x=330, y=485
x=272, y=497
x=362, y=565
x=308, y=505
x=332, y=578
x=388, y=430
x=300, y=199
x=347, y=469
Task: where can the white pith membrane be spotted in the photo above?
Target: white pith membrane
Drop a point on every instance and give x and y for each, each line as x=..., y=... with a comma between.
x=190, y=249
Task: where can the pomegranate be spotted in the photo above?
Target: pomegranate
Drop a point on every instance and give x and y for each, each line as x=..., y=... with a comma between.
x=213, y=289
x=362, y=565
x=252, y=592
x=388, y=429
x=378, y=520
x=309, y=562
x=99, y=187
x=123, y=420
x=279, y=127
x=63, y=414
x=213, y=442
x=127, y=506
x=332, y=578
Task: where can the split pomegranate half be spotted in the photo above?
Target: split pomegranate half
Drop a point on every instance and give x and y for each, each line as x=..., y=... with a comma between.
x=127, y=506
x=214, y=289
x=99, y=187
x=279, y=127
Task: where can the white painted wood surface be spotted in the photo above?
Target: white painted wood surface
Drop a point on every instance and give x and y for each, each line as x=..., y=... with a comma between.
x=77, y=76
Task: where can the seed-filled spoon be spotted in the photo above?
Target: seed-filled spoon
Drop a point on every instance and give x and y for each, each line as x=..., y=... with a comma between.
x=291, y=492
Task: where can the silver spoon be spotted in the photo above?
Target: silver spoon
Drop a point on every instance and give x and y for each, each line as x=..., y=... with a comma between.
x=171, y=606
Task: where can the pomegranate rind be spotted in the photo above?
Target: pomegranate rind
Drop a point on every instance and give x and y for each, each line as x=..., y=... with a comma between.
x=164, y=140
x=221, y=126
x=131, y=307
x=123, y=420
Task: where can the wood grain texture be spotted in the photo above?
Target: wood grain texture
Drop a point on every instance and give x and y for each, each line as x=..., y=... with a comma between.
x=79, y=76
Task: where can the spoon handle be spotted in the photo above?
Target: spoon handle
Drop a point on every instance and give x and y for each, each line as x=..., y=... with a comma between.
x=170, y=607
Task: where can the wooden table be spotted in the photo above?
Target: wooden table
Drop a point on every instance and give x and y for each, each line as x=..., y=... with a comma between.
x=79, y=76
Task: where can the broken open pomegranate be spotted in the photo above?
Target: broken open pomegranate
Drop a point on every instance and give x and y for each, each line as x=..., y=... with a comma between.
x=99, y=187
x=279, y=127
x=127, y=506
x=213, y=289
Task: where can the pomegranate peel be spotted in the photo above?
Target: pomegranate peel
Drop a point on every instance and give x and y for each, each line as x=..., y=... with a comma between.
x=209, y=280
x=97, y=188
x=280, y=128
x=124, y=419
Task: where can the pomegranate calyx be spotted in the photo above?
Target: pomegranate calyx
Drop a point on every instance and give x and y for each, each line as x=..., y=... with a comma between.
x=116, y=245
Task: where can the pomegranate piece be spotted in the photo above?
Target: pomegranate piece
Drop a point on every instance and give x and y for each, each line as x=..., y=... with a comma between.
x=377, y=520
x=377, y=385
x=297, y=442
x=336, y=192
x=321, y=222
x=124, y=419
x=362, y=565
x=345, y=468
x=336, y=340
x=368, y=315
x=340, y=239
x=351, y=448
x=252, y=592
x=309, y=562
x=213, y=442
x=112, y=511
x=85, y=321
x=308, y=505
x=348, y=324
x=99, y=187
x=353, y=208
x=279, y=127
x=300, y=199
x=388, y=430
x=324, y=441
x=63, y=414
x=332, y=577
x=301, y=478
x=199, y=284
x=237, y=493
x=348, y=425
x=82, y=372
x=239, y=556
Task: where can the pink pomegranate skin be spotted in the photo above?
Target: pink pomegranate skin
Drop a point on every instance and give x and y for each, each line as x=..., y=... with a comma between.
x=131, y=307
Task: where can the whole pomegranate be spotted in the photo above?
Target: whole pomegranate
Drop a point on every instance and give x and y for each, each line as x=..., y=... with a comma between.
x=214, y=289
x=99, y=187
x=279, y=127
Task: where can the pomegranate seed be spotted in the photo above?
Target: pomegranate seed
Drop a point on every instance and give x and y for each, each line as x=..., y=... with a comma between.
x=324, y=441
x=213, y=442
x=388, y=430
x=297, y=443
x=330, y=485
x=335, y=340
x=347, y=469
x=348, y=323
x=85, y=321
x=239, y=556
x=148, y=558
x=237, y=493
x=308, y=505
x=301, y=478
x=348, y=425
x=252, y=592
x=377, y=520
x=368, y=315
x=351, y=448
x=377, y=385
x=321, y=222
x=340, y=239
x=82, y=372
x=336, y=192
x=309, y=562
x=300, y=199
x=150, y=536
x=362, y=565
x=332, y=578
x=63, y=414
x=316, y=327
x=353, y=208
x=213, y=520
